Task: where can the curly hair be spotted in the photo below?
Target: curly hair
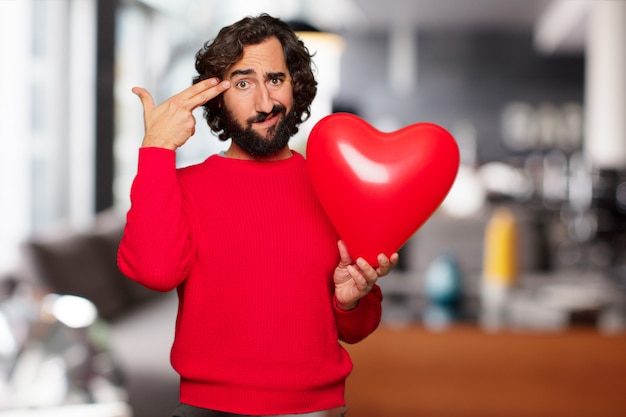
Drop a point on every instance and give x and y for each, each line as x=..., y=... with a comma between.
x=216, y=57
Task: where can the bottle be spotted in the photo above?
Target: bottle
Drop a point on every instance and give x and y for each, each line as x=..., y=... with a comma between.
x=500, y=268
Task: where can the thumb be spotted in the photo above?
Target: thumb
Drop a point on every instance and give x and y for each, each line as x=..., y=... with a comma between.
x=146, y=99
x=343, y=254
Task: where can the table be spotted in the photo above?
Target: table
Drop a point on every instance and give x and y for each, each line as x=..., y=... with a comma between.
x=466, y=372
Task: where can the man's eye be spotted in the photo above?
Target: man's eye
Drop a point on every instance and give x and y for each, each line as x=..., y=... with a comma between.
x=243, y=84
x=275, y=81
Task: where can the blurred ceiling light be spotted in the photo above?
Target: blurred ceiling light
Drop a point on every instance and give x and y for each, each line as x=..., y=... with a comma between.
x=75, y=312
x=315, y=38
x=503, y=179
x=467, y=195
x=561, y=27
x=402, y=60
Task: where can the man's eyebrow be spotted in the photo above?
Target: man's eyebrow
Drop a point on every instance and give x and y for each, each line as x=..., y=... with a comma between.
x=242, y=72
x=278, y=74
x=270, y=75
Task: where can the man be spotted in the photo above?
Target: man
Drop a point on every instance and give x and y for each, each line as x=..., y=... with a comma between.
x=266, y=288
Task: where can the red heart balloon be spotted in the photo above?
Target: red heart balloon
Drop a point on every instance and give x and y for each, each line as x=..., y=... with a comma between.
x=379, y=188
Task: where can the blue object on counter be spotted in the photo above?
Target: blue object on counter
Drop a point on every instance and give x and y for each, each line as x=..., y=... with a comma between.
x=442, y=280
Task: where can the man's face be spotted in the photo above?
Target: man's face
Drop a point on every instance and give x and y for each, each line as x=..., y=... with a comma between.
x=259, y=101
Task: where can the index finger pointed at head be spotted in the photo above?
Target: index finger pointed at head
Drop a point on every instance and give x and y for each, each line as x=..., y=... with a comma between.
x=205, y=90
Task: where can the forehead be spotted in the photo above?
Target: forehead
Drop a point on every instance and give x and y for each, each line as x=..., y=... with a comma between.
x=262, y=58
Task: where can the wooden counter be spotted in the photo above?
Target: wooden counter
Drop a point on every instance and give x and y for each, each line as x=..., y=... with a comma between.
x=465, y=372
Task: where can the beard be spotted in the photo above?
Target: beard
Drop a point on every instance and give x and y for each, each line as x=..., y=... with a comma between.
x=252, y=142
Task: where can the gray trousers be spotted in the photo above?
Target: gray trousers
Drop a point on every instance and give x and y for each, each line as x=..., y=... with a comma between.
x=185, y=410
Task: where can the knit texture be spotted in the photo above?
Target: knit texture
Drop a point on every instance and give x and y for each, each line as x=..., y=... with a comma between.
x=251, y=253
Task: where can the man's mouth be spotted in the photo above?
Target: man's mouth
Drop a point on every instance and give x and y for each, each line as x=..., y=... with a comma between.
x=266, y=117
x=263, y=117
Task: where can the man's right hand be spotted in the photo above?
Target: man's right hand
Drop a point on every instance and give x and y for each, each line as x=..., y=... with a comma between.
x=170, y=124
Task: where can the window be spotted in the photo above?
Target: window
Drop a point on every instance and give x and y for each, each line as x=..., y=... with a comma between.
x=47, y=110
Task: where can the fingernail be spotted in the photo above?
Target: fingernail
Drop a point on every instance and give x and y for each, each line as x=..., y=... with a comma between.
x=226, y=84
x=361, y=262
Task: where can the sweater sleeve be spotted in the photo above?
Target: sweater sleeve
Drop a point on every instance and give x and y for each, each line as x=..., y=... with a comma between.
x=156, y=248
x=356, y=324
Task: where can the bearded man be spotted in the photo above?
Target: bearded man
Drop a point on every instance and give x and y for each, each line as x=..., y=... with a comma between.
x=266, y=288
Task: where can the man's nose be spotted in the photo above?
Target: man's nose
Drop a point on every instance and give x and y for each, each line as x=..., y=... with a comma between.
x=264, y=102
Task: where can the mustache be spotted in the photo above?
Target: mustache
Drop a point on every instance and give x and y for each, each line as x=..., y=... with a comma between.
x=261, y=117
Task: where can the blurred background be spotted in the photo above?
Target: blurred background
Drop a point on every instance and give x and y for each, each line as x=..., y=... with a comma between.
x=508, y=301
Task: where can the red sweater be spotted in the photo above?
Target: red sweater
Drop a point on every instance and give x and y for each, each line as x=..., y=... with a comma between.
x=251, y=253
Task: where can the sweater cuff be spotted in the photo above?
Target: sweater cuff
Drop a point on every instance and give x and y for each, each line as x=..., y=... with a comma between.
x=356, y=324
x=152, y=160
x=154, y=155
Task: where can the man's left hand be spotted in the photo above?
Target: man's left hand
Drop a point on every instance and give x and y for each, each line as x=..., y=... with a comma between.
x=353, y=280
